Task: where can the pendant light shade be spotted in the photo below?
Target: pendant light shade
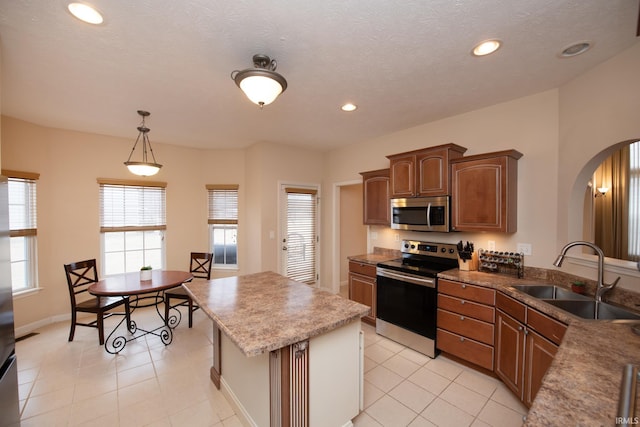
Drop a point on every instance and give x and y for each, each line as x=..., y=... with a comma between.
x=143, y=167
x=261, y=84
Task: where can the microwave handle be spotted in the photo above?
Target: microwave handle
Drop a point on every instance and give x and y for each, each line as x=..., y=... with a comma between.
x=429, y=215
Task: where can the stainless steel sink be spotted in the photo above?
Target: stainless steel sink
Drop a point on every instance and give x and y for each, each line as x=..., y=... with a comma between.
x=550, y=292
x=591, y=309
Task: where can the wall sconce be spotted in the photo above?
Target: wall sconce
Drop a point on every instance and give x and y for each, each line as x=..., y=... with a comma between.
x=601, y=192
x=145, y=167
x=261, y=84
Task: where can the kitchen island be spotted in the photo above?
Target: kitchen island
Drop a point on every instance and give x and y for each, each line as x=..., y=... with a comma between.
x=284, y=353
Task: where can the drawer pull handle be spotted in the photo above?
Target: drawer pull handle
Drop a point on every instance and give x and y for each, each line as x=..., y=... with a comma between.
x=461, y=317
x=462, y=302
x=461, y=339
x=519, y=328
x=464, y=286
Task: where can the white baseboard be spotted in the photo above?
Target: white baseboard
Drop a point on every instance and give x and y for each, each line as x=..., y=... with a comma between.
x=238, y=408
x=27, y=329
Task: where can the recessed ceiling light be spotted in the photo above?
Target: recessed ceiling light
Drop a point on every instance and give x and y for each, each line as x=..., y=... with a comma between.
x=575, y=49
x=86, y=13
x=486, y=47
x=349, y=107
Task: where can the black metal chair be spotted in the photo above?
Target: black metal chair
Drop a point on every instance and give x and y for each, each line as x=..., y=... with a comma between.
x=80, y=275
x=200, y=267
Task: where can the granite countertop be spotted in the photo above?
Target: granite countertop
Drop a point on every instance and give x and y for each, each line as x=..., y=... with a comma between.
x=582, y=386
x=266, y=311
x=378, y=255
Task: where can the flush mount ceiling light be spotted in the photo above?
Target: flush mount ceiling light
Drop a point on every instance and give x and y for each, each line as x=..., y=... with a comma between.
x=85, y=13
x=261, y=84
x=575, y=49
x=486, y=47
x=145, y=167
x=349, y=107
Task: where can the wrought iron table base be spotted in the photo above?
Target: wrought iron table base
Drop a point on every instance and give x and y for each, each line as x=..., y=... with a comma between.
x=116, y=344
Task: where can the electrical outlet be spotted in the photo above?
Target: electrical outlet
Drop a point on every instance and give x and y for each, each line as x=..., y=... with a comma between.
x=491, y=245
x=524, y=248
x=374, y=235
x=397, y=236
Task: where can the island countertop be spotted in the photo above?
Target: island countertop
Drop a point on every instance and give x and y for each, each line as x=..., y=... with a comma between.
x=266, y=311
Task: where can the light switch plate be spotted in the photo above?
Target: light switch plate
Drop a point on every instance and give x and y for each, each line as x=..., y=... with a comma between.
x=491, y=245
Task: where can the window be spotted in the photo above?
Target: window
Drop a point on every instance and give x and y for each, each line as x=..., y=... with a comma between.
x=23, y=229
x=223, y=225
x=132, y=224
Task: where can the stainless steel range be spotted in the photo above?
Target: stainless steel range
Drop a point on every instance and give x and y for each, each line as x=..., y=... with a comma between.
x=406, y=298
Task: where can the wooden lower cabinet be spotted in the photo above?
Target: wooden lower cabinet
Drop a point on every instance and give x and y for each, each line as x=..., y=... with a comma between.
x=465, y=322
x=470, y=350
x=538, y=356
x=509, y=356
x=362, y=287
x=524, y=350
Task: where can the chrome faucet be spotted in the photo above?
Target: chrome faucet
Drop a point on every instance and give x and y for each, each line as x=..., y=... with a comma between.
x=602, y=288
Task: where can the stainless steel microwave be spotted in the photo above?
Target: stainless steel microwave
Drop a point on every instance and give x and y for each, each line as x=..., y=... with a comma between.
x=421, y=214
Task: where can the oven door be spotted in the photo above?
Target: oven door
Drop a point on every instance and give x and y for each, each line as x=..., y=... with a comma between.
x=407, y=300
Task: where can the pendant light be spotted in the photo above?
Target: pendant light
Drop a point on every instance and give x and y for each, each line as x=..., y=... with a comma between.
x=261, y=84
x=145, y=167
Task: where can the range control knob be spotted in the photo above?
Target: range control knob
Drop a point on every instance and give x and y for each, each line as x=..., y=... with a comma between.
x=451, y=251
x=413, y=246
x=406, y=245
x=443, y=250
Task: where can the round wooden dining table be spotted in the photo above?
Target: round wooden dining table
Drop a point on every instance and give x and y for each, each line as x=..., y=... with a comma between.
x=129, y=284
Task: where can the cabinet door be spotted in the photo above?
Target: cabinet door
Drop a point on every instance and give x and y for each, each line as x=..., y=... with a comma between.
x=484, y=193
x=433, y=173
x=539, y=355
x=375, y=189
x=403, y=176
x=362, y=289
x=509, y=352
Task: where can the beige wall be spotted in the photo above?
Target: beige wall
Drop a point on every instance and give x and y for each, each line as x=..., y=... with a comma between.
x=353, y=234
x=598, y=113
x=69, y=163
x=269, y=166
x=529, y=125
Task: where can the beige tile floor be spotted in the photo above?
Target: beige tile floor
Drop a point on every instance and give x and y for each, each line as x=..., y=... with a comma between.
x=406, y=388
x=79, y=384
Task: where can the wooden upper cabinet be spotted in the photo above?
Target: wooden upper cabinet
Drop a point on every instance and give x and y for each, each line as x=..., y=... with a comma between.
x=484, y=192
x=423, y=172
x=375, y=191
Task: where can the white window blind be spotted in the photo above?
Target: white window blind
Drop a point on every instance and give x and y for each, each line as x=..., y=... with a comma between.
x=301, y=240
x=223, y=204
x=22, y=207
x=634, y=201
x=132, y=206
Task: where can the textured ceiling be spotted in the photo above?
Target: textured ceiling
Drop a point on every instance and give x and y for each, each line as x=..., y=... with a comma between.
x=403, y=63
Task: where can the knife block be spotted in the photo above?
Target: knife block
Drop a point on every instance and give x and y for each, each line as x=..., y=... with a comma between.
x=468, y=264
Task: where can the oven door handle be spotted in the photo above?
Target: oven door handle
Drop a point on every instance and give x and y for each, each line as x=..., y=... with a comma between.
x=430, y=283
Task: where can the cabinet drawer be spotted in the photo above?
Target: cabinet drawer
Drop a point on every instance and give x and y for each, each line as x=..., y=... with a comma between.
x=549, y=328
x=362, y=268
x=467, y=292
x=466, y=326
x=468, y=308
x=464, y=348
x=513, y=308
